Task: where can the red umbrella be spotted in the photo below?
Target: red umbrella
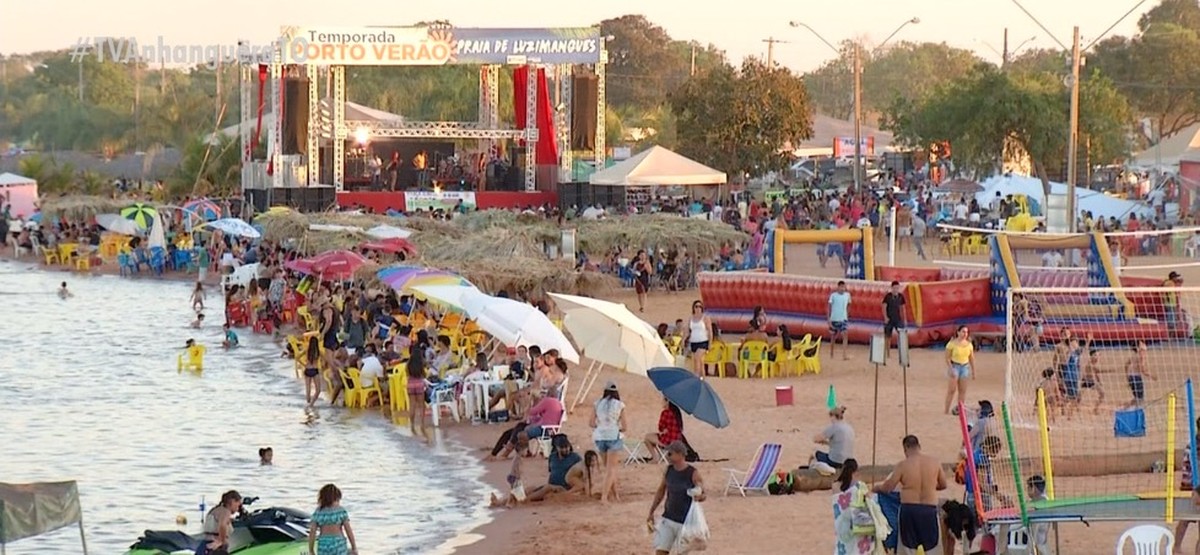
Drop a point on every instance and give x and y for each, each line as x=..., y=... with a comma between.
x=394, y=246
x=334, y=265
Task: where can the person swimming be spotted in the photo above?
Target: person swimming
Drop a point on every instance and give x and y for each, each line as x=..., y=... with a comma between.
x=265, y=456
x=198, y=321
x=231, y=338
x=63, y=292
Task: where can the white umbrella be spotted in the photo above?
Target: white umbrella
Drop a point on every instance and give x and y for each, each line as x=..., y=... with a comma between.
x=453, y=296
x=384, y=231
x=609, y=333
x=234, y=226
x=158, y=237
x=243, y=275
x=517, y=323
x=116, y=224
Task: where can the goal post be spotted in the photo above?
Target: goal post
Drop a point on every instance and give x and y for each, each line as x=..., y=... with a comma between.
x=1099, y=400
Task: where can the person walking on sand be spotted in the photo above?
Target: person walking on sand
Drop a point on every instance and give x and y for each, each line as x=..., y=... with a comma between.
x=198, y=296
x=681, y=486
x=960, y=364
x=1136, y=372
x=608, y=421
x=329, y=532
x=699, y=337
x=642, y=269
x=839, y=318
x=919, y=478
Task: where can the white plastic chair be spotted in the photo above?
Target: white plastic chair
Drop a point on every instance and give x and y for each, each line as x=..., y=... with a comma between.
x=444, y=398
x=1148, y=539
x=1018, y=541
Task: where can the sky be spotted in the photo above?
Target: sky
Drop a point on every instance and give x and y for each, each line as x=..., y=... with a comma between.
x=739, y=28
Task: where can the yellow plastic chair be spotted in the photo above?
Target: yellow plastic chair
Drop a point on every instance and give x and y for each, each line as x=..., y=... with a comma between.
x=192, y=359
x=788, y=362
x=83, y=263
x=716, y=354
x=298, y=348
x=452, y=321
x=674, y=344
x=398, y=388
x=751, y=354
x=810, y=358
x=51, y=256
x=975, y=244
x=357, y=393
x=66, y=251
x=306, y=317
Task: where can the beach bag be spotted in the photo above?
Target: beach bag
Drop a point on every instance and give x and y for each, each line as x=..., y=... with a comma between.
x=694, y=534
x=1129, y=423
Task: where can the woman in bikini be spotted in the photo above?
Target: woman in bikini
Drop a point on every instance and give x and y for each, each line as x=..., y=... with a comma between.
x=415, y=370
x=642, y=270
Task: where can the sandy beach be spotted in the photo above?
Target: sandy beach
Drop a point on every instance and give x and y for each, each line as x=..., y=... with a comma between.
x=799, y=523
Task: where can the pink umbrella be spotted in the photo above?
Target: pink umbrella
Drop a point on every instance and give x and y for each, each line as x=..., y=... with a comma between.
x=332, y=265
x=394, y=246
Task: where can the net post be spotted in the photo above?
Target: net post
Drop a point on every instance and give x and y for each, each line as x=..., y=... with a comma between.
x=1191, y=405
x=1016, y=464
x=976, y=491
x=1171, y=458
x=1044, y=432
x=1010, y=347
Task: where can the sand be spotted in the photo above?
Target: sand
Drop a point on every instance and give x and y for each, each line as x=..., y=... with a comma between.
x=800, y=523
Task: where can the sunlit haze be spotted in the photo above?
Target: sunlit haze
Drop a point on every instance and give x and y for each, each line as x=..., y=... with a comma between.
x=737, y=27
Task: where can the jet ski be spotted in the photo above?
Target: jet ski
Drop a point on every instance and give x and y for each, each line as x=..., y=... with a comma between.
x=269, y=531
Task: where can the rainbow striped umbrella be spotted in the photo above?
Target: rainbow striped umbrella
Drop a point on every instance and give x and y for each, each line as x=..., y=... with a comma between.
x=203, y=208
x=141, y=214
x=404, y=278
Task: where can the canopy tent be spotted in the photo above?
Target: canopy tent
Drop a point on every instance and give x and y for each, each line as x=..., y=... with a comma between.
x=28, y=510
x=1170, y=150
x=1099, y=204
x=21, y=192
x=658, y=166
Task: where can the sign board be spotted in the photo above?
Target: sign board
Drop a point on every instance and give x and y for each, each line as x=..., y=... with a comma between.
x=434, y=200
x=844, y=146
x=439, y=46
x=568, y=245
x=878, y=349
x=902, y=347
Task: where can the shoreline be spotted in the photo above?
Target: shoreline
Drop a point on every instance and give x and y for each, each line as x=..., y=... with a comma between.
x=502, y=526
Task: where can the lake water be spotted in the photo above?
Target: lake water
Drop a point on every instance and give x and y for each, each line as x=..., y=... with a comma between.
x=89, y=391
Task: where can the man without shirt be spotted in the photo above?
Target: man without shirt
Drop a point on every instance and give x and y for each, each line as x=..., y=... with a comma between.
x=919, y=477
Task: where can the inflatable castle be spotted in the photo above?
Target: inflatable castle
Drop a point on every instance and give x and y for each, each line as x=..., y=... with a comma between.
x=938, y=299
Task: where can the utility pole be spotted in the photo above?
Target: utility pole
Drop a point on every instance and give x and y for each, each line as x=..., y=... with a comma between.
x=771, y=42
x=217, y=121
x=693, y=73
x=81, y=81
x=1073, y=134
x=857, y=118
x=1004, y=56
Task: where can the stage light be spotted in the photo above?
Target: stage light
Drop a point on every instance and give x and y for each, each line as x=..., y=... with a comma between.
x=361, y=135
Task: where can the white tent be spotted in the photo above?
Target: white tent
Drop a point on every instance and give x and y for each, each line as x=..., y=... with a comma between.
x=1169, y=151
x=658, y=166
x=19, y=191
x=1099, y=204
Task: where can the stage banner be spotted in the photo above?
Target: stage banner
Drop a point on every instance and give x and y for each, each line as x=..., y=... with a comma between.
x=433, y=200
x=436, y=46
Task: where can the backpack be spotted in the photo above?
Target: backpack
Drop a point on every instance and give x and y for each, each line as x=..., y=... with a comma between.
x=781, y=484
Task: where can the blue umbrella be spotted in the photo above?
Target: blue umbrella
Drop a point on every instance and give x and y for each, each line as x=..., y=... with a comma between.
x=691, y=394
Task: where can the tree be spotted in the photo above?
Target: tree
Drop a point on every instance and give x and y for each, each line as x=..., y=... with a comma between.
x=990, y=113
x=912, y=70
x=742, y=120
x=1156, y=68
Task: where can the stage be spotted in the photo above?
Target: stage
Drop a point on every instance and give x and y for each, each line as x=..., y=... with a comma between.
x=381, y=202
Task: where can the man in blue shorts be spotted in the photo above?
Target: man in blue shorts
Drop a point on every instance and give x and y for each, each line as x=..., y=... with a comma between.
x=919, y=478
x=839, y=318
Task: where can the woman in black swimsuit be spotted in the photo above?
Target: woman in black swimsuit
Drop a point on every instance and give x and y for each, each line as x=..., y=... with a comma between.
x=329, y=328
x=641, y=278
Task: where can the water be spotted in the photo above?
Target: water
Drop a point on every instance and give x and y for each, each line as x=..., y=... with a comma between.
x=89, y=392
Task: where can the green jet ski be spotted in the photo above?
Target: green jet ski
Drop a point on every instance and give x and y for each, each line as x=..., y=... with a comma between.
x=270, y=531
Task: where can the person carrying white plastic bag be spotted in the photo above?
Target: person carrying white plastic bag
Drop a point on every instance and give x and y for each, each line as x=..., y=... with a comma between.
x=681, y=528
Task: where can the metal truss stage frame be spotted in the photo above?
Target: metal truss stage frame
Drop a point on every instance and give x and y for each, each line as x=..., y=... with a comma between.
x=338, y=129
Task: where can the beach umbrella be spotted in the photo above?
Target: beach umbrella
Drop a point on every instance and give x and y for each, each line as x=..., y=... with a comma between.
x=393, y=246
x=384, y=231
x=235, y=227
x=515, y=323
x=451, y=296
x=609, y=333
x=691, y=394
x=140, y=213
x=203, y=208
x=116, y=224
x=404, y=278
x=336, y=265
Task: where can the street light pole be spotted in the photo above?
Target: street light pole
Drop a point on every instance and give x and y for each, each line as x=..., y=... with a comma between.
x=1073, y=135
x=858, y=174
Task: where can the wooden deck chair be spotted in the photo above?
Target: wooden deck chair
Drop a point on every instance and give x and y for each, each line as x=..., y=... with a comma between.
x=761, y=469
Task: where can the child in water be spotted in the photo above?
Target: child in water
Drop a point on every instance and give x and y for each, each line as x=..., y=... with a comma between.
x=231, y=338
x=198, y=297
x=63, y=292
x=265, y=456
x=199, y=320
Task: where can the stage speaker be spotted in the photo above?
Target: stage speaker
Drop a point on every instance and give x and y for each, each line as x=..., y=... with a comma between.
x=295, y=116
x=584, y=93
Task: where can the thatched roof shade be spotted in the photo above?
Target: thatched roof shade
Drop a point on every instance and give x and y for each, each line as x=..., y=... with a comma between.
x=80, y=207
x=700, y=237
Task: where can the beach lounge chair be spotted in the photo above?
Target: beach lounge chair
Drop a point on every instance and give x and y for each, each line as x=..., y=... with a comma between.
x=761, y=469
